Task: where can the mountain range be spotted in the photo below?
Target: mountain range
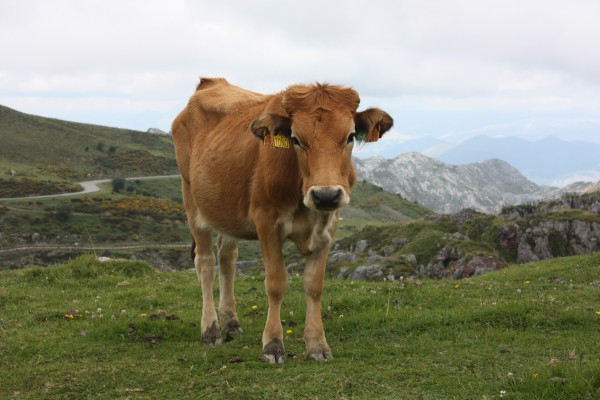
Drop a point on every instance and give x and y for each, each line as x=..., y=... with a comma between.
x=548, y=161
x=486, y=186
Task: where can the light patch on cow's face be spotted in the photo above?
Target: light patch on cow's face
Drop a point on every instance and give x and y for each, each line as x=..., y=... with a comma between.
x=324, y=145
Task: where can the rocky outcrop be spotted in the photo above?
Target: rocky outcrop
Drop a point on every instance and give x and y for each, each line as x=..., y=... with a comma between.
x=549, y=239
x=477, y=265
x=458, y=256
x=589, y=202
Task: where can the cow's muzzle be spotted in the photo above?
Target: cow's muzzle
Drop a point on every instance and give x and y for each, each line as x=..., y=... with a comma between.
x=326, y=198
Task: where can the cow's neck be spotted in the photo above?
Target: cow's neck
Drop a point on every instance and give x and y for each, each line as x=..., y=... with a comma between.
x=311, y=230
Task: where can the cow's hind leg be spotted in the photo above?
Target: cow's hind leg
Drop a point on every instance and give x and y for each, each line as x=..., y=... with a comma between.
x=204, y=261
x=227, y=258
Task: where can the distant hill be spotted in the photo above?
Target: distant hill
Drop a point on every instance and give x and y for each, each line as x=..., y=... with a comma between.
x=486, y=186
x=549, y=161
x=371, y=202
x=38, y=147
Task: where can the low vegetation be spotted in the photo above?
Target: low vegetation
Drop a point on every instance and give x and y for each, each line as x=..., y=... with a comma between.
x=35, y=187
x=151, y=212
x=123, y=330
x=135, y=216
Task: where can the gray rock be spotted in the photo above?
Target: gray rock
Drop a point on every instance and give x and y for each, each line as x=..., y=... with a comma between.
x=344, y=272
x=478, y=265
x=244, y=265
x=525, y=253
x=342, y=256
x=361, y=246
x=374, y=258
x=388, y=251
x=400, y=242
x=411, y=259
x=459, y=236
x=367, y=272
x=557, y=238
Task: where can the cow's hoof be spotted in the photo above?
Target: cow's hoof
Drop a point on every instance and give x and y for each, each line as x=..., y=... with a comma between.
x=273, y=353
x=233, y=327
x=318, y=351
x=212, y=335
x=230, y=323
x=319, y=356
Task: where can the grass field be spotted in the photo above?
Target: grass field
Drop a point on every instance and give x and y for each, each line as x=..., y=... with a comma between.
x=123, y=330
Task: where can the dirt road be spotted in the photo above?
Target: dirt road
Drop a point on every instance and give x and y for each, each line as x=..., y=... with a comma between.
x=88, y=187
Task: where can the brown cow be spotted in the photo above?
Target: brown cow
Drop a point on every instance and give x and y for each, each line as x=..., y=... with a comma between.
x=290, y=184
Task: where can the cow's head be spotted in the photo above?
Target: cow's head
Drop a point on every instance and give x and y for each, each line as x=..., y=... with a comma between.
x=322, y=124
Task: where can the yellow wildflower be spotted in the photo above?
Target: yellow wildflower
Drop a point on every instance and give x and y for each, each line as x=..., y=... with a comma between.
x=143, y=315
x=289, y=331
x=535, y=376
x=527, y=282
x=254, y=307
x=597, y=312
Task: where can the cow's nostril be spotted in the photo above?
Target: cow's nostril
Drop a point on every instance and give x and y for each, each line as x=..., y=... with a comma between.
x=327, y=198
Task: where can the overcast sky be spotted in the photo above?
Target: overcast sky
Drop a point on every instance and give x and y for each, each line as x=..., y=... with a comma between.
x=448, y=69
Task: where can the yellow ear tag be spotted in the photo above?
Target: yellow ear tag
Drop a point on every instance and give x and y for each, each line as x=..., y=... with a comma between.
x=281, y=142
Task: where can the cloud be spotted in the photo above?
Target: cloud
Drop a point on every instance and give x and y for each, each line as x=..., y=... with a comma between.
x=430, y=58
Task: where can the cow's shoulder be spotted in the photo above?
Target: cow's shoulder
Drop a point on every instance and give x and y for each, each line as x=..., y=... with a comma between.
x=216, y=95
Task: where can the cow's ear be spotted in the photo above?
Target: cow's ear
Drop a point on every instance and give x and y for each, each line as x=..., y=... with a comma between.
x=271, y=124
x=371, y=124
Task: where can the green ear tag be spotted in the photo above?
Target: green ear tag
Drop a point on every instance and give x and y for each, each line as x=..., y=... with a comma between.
x=361, y=136
x=281, y=142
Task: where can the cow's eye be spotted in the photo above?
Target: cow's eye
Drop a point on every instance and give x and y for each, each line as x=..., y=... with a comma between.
x=295, y=141
x=351, y=138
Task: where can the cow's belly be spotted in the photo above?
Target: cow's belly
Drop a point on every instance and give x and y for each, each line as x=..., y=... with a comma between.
x=222, y=203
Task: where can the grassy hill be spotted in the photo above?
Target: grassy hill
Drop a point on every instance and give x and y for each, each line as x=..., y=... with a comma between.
x=55, y=150
x=124, y=330
x=149, y=212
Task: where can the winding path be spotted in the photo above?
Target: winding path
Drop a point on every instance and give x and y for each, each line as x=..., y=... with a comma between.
x=88, y=187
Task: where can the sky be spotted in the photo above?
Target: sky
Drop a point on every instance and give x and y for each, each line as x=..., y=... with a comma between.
x=443, y=69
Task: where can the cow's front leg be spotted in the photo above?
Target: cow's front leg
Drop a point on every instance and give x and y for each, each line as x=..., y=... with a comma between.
x=314, y=334
x=271, y=240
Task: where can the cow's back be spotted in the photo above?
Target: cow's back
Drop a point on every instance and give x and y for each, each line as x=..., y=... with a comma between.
x=217, y=153
x=215, y=99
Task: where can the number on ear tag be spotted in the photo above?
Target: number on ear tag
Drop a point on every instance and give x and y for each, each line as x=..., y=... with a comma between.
x=281, y=142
